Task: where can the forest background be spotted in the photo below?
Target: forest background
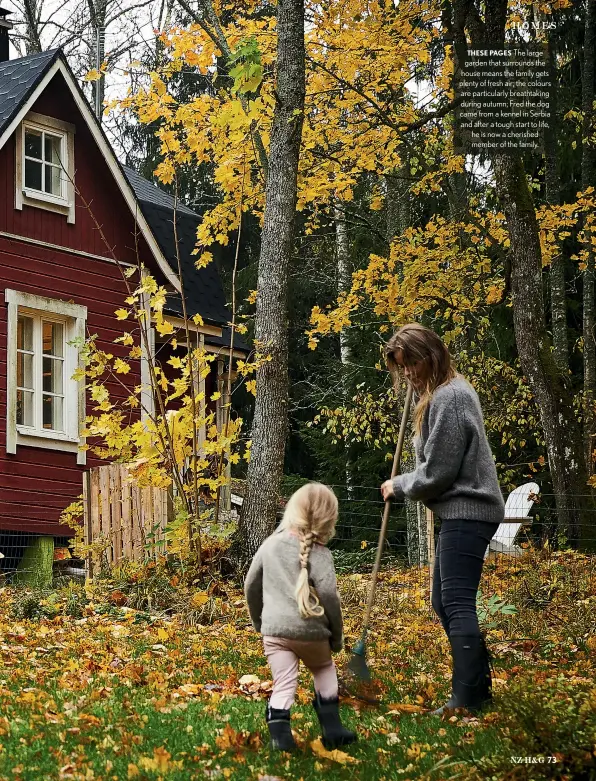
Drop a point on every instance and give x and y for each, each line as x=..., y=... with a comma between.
x=393, y=223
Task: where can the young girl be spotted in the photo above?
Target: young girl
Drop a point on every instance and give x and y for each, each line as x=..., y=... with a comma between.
x=455, y=476
x=293, y=602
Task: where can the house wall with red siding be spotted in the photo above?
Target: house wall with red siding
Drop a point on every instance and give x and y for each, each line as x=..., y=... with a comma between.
x=36, y=484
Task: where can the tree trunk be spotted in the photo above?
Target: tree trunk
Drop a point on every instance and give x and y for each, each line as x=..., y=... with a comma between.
x=553, y=398
x=398, y=219
x=269, y=430
x=588, y=169
x=98, y=13
x=344, y=283
x=558, y=304
x=32, y=13
x=561, y=431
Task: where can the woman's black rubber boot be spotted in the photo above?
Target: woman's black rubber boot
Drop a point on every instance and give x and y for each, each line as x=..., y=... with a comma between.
x=471, y=681
x=334, y=733
x=280, y=731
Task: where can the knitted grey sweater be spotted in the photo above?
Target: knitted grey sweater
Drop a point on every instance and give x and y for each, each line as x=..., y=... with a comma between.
x=455, y=474
x=269, y=589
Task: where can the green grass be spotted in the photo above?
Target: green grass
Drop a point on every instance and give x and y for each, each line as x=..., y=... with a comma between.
x=117, y=695
x=124, y=728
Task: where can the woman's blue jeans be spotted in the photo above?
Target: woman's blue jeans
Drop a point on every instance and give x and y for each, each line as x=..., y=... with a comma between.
x=459, y=557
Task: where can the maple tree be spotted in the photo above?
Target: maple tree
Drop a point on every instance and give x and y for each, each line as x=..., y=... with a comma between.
x=367, y=147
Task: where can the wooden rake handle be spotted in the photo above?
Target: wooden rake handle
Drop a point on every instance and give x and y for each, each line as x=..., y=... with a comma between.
x=387, y=510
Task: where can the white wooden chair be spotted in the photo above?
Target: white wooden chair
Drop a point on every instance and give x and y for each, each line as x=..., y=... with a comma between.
x=517, y=509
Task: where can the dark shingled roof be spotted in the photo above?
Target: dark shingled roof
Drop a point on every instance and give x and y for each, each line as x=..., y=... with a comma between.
x=203, y=290
x=147, y=191
x=18, y=79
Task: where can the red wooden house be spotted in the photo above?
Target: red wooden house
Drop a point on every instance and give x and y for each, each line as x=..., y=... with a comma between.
x=60, y=236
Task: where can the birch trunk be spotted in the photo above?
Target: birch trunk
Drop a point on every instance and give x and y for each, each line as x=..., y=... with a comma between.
x=344, y=280
x=398, y=219
x=269, y=430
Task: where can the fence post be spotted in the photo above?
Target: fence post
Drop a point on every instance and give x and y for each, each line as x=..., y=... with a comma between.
x=106, y=514
x=87, y=523
x=126, y=514
x=95, y=525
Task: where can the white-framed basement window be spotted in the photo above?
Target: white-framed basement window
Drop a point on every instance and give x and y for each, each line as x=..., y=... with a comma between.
x=45, y=406
x=45, y=165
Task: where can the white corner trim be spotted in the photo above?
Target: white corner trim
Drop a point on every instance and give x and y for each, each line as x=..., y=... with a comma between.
x=79, y=332
x=108, y=155
x=147, y=396
x=202, y=393
x=11, y=385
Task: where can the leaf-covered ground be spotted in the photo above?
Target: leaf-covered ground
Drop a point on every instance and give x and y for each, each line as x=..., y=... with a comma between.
x=98, y=690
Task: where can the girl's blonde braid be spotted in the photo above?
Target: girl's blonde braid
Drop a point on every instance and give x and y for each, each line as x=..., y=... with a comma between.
x=308, y=601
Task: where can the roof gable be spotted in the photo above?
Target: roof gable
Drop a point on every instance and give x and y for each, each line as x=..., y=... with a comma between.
x=38, y=70
x=22, y=81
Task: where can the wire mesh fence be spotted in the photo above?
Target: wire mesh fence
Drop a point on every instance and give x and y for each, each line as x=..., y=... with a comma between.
x=536, y=532
x=535, y=539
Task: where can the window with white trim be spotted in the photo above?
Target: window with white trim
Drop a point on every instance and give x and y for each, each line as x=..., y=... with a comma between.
x=45, y=406
x=45, y=165
x=45, y=162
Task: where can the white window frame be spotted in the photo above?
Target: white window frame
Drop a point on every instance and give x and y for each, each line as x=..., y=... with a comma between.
x=74, y=317
x=26, y=196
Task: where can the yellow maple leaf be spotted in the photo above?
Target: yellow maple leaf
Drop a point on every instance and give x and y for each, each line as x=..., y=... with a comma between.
x=163, y=327
x=125, y=339
x=199, y=599
x=335, y=756
x=175, y=362
x=120, y=367
x=404, y=707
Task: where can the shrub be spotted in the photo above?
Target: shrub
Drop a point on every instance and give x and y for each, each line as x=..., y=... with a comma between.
x=551, y=718
x=75, y=600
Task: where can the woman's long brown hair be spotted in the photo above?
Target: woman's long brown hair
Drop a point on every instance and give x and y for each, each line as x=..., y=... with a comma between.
x=418, y=343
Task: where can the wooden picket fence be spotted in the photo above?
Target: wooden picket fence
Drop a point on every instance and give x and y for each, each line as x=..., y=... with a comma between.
x=122, y=521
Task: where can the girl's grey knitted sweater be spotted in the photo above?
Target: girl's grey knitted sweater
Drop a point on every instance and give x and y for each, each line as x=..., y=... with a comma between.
x=269, y=589
x=455, y=474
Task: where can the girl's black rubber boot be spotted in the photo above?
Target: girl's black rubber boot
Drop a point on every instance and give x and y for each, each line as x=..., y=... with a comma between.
x=334, y=733
x=471, y=682
x=280, y=731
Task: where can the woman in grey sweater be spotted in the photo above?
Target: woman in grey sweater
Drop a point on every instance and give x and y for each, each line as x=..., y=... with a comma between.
x=456, y=478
